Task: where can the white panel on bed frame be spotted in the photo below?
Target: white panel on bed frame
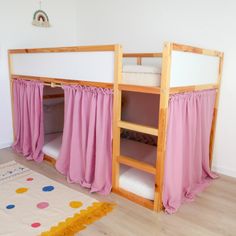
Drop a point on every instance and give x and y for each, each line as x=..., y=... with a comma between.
x=193, y=69
x=87, y=66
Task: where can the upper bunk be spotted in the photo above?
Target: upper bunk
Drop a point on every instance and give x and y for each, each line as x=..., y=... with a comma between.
x=180, y=68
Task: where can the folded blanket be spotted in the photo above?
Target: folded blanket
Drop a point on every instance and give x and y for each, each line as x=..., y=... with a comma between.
x=141, y=69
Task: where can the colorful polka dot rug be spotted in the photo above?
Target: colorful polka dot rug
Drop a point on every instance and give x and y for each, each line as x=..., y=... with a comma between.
x=32, y=204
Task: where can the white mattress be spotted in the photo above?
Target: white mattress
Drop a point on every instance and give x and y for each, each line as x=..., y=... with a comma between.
x=52, y=145
x=132, y=180
x=141, y=75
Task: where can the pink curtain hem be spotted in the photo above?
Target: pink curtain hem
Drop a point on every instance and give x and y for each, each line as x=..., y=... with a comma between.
x=28, y=157
x=190, y=197
x=93, y=189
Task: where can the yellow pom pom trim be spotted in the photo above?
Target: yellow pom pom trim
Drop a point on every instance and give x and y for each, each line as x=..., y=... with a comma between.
x=80, y=221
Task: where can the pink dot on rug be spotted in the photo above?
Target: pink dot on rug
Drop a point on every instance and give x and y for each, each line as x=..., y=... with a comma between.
x=35, y=225
x=42, y=205
x=30, y=179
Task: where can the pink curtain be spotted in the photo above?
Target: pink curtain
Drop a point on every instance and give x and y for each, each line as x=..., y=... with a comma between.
x=86, y=152
x=187, y=169
x=28, y=119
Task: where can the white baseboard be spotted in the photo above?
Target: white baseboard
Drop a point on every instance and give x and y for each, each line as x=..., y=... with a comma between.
x=224, y=171
x=5, y=145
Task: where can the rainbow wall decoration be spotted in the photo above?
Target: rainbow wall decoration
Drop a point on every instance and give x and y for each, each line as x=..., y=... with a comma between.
x=41, y=19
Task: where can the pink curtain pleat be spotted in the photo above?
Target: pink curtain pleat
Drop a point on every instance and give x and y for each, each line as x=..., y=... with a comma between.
x=187, y=169
x=86, y=152
x=28, y=119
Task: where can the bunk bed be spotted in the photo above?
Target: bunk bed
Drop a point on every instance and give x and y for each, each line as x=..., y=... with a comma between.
x=184, y=69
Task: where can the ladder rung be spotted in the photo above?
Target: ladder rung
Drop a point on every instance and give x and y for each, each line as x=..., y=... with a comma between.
x=137, y=164
x=138, y=128
x=139, y=89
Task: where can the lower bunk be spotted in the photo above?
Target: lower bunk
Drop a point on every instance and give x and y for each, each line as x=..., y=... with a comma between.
x=131, y=180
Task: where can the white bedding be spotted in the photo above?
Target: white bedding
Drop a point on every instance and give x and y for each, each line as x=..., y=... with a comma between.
x=52, y=145
x=133, y=180
x=141, y=75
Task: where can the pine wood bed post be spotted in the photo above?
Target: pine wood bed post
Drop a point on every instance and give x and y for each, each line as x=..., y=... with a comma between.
x=10, y=69
x=162, y=127
x=213, y=128
x=116, y=116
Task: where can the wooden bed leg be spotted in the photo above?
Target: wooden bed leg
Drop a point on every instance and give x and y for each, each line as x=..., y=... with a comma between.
x=162, y=130
x=10, y=69
x=116, y=117
x=213, y=127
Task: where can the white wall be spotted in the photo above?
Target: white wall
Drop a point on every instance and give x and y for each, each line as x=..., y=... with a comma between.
x=143, y=25
x=16, y=31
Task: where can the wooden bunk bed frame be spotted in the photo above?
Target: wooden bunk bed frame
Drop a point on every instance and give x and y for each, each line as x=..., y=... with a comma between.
x=164, y=91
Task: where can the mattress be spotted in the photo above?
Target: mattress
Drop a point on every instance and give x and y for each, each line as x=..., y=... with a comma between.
x=52, y=145
x=132, y=180
x=142, y=75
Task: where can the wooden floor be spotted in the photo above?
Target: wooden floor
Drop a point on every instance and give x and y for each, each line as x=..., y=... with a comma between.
x=213, y=213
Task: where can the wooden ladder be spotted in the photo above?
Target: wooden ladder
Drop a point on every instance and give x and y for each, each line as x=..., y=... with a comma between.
x=118, y=124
